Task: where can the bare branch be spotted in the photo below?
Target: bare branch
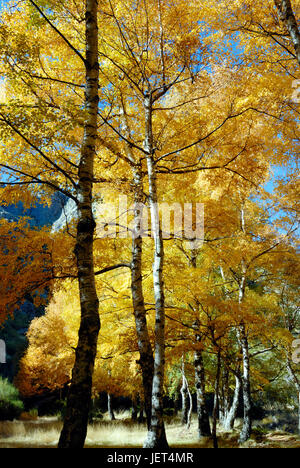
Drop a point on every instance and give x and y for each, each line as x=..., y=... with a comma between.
x=37, y=180
x=194, y=143
x=113, y=267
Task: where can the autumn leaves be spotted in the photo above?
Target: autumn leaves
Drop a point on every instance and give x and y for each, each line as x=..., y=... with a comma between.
x=151, y=102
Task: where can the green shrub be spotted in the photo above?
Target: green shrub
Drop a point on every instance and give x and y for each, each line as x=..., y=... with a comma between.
x=11, y=405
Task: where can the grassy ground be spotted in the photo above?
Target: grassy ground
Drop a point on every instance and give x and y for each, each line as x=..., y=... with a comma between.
x=122, y=433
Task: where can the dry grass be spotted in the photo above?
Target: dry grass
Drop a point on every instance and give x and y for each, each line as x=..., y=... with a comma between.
x=44, y=433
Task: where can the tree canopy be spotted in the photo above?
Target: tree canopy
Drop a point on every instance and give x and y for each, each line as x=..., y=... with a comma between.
x=152, y=104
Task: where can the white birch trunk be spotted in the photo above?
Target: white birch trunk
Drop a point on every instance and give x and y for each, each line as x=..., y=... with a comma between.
x=243, y=340
x=146, y=360
x=187, y=403
x=288, y=18
x=79, y=396
x=216, y=403
x=156, y=437
x=231, y=416
x=296, y=382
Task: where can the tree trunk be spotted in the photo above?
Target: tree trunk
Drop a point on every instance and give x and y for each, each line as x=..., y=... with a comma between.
x=225, y=406
x=231, y=416
x=79, y=396
x=288, y=18
x=247, y=421
x=156, y=437
x=186, y=399
x=296, y=382
x=243, y=340
x=202, y=412
x=110, y=407
x=188, y=425
x=216, y=403
x=146, y=360
x=299, y=412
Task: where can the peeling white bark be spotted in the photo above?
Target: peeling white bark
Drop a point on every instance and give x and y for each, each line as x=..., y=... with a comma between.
x=288, y=18
x=145, y=349
x=243, y=340
x=76, y=419
x=156, y=437
x=231, y=416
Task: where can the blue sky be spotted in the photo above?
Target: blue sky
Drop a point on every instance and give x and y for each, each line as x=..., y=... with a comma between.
x=3, y=3
x=278, y=171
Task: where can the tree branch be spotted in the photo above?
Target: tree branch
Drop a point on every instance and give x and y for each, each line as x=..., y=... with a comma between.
x=37, y=180
x=113, y=267
x=38, y=150
x=58, y=31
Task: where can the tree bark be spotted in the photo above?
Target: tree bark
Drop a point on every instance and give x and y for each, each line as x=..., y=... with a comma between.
x=186, y=399
x=243, y=340
x=247, y=421
x=224, y=397
x=296, y=382
x=146, y=360
x=231, y=416
x=156, y=437
x=184, y=403
x=79, y=396
x=299, y=412
x=216, y=403
x=110, y=407
x=288, y=18
x=202, y=412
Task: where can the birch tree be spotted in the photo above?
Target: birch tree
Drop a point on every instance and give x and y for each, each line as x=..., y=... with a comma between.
x=74, y=178
x=289, y=21
x=145, y=348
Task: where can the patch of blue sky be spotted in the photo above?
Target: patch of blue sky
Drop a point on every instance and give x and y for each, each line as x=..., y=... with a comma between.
x=3, y=4
x=277, y=173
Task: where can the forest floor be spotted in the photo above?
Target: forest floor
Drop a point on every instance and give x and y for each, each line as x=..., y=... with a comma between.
x=123, y=433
